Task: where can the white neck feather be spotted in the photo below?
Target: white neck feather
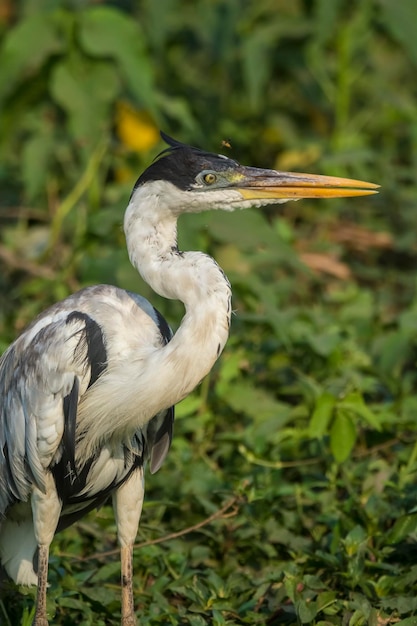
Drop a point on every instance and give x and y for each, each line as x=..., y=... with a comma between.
x=171, y=372
x=193, y=278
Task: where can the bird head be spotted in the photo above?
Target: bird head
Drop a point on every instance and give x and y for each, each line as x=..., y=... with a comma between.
x=190, y=180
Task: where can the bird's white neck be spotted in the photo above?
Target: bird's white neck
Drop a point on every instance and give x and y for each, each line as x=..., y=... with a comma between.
x=193, y=278
x=160, y=376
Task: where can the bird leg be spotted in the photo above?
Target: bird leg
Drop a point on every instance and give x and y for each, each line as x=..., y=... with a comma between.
x=127, y=504
x=46, y=509
x=128, y=609
x=40, y=615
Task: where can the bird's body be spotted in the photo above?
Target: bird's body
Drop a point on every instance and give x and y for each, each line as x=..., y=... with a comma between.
x=87, y=391
x=46, y=374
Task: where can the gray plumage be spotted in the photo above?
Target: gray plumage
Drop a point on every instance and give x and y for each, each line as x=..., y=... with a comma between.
x=38, y=372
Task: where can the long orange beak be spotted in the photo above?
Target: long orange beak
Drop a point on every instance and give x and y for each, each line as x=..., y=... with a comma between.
x=254, y=183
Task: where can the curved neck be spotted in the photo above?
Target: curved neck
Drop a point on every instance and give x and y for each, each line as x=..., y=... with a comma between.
x=161, y=376
x=196, y=280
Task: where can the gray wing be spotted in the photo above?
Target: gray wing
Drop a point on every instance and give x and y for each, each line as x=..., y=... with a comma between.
x=41, y=376
x=159, y=438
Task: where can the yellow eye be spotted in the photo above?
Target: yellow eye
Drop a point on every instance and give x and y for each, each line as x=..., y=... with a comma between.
x=209, y=178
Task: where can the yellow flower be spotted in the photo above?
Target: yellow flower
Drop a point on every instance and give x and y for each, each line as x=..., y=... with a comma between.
x=136, y=129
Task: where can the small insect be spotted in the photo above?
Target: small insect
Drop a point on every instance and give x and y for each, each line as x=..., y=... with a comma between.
x=226, y=143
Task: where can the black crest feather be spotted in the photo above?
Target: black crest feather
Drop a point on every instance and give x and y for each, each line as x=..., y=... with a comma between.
x=180, y=164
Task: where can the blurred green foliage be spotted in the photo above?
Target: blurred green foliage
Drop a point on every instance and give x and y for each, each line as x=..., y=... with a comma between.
x=308, y=422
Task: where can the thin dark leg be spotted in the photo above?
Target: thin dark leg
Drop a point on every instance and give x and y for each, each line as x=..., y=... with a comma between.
x=40, y=615
x=128, y=610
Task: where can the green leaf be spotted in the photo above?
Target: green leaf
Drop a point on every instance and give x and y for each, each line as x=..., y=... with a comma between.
x=355, y=403
x=25, y=49
x=306, y=611
x=409, y=621
x=342, y=436
x=326, y=14
x=325, y=343
x=254, y=402
x=400, y=18
x=106, y=572
x=326, y=599
x=37, y=154
x=354, y=540
x=107, y=33
x=188, y=406
x=322, y=415
x=404, y=526
x=393, y=349
x=249, y=230
x=85, y=89
x=256, y=64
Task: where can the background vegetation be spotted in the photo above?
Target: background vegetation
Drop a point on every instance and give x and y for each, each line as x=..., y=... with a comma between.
x=297, y=456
